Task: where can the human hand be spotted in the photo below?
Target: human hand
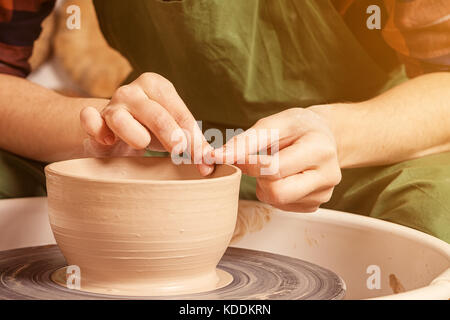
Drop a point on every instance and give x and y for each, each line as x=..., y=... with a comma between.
x=145, y=114
x=300, y=169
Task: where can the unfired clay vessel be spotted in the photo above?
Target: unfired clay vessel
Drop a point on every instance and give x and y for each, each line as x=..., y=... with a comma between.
x=142, y=226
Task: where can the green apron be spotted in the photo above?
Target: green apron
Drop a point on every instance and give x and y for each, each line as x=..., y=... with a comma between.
x=20, y=177
x=236, y=61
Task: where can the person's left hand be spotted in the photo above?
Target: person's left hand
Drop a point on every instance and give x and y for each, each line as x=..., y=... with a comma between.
x=302, y=174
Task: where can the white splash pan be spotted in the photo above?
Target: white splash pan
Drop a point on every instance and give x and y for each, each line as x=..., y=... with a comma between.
x=343, y=242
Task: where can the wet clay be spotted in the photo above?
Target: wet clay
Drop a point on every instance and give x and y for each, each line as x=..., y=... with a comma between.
x=395, y=284
x=251, y=217
x=142, y=226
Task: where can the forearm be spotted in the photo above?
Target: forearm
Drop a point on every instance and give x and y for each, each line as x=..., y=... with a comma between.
x=40, y=124
x=406, y=122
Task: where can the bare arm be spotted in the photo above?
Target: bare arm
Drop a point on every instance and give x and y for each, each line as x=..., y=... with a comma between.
x=409, y=121
x=40, y=124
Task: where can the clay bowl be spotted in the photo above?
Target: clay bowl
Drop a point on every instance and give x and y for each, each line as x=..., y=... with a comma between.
x=142, y=226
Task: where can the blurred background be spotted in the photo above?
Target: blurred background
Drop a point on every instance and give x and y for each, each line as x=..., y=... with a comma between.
x=76, y=62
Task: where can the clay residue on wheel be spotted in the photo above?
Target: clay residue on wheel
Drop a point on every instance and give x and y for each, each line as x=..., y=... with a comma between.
x=256, y=275
x=251, y=217
x=395, y=284
x=19, y=270
x=310, y=240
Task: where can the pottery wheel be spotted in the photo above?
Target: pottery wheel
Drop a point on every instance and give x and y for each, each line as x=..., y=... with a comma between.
x=26, y=274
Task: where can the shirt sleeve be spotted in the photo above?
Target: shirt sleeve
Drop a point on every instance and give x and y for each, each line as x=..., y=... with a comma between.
x=20, y=26
x=419, y=31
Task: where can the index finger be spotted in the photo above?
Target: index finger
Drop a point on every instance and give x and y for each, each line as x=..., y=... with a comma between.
x=241, y=147
x=161, y=90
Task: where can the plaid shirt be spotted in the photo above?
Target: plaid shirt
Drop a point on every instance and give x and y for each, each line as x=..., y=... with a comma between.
x=418, y=31
x=20, y=26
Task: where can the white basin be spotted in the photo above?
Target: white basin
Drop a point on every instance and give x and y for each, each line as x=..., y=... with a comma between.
x=345, y=243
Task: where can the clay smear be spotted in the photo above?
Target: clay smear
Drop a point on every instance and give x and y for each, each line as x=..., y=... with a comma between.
x=142, y=226
x=251, y=218
x=395, y=284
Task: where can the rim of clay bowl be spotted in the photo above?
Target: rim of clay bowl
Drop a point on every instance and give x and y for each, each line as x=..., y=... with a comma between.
x=49, y=169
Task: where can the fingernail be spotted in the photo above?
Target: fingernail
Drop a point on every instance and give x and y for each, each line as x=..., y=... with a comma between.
x=208, y=157
x=206, y=170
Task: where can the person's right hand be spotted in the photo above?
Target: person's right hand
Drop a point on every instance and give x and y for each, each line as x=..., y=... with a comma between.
x=145, y=114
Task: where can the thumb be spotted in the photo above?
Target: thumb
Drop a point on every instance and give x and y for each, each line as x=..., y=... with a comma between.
x=96, y=127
